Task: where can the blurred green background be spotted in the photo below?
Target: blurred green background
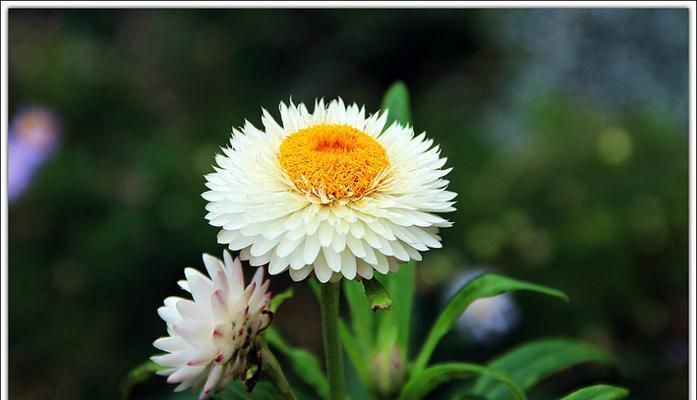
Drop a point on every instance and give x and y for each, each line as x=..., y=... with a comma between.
x=567, y=131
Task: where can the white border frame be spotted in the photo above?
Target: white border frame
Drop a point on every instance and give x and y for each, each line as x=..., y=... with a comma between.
x=6, y=5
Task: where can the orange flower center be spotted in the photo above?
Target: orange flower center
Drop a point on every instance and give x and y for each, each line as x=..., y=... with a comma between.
x=338, y=161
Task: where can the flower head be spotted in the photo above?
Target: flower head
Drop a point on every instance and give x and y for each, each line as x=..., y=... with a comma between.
x=212, y=337
x=330, y=191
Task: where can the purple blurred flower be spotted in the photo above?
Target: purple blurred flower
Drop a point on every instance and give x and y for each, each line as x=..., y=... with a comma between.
x=485, y=320
x=33, y=137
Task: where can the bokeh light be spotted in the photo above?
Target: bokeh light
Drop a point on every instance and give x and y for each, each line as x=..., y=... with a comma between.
x=32, y=138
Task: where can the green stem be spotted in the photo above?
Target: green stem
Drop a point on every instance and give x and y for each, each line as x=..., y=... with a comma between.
x=272, y=369
x=329, y=304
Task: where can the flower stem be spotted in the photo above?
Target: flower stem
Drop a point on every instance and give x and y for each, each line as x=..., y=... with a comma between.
x=272, y=369
x=329, y=304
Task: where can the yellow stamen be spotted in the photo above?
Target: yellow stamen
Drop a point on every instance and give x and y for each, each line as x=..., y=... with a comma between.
x=337, y=160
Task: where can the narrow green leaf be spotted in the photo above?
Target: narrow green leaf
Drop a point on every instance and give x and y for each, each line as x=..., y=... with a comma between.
x=362, y=319
x=598, y=392
x=401, y=287
x=271, y=370
x=386, y=338
x=138, y=375
x=304, y=364
x=356, y=356
x=396, y=102
x=376, y=294
x=280, y=298
x=425, y=381
x=486, y=285
x=531, y=363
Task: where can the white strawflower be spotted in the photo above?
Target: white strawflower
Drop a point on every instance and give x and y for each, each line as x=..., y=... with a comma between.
x=332, y=191
x=212, y=337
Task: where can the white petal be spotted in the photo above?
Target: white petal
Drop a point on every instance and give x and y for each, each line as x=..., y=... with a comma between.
x=201, y=287
x=219, y=306
x=381, y=266
x=194, y=332
x=169, y=315
x=356, y=246
x=339, y=242
x=297, y=258
x=285, y=247
x=301, y=273
x=278, y=265
x=213, y=377
x=185, y=373
x=348, y=265
x=184, y=285
x=258, y=276
x=322, y=270
x=399, y=251
x=333, y=259
x=312, y=247
x=212, y=264
x=170, y=344
x=262, y=246
x=326, y=234
x=233, y=271
x=190, y=310
x=364, y=269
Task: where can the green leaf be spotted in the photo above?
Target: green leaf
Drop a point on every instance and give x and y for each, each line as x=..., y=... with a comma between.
x=278, y=299
x=356, y=356
x=396, y=102
x=304, y=364
x=401, y=286
x=531, y=363
x=362, y=319
x=386, y=338
x=377, y=295
x=271, y=370
x=425, y=381
x=598, y=392
x=486, y=285
x=138, y=375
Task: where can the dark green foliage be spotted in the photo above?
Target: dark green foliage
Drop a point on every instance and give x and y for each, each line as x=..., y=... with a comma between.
x=598, y=392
